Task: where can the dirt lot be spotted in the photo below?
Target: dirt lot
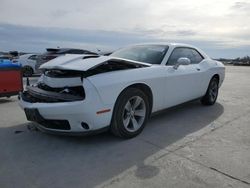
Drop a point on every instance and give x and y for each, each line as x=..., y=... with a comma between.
x=186, y=146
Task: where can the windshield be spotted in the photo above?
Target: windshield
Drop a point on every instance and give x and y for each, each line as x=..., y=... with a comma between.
x=152, y=54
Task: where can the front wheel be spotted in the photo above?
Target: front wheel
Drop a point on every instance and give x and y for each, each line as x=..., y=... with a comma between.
x=212, y=92
x=130, y=113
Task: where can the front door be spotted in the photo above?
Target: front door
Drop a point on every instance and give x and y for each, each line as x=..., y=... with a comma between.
x=185, y=82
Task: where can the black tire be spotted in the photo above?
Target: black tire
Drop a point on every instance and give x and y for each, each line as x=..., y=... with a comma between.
x=120, y=111
x=212, y=92
x=27, y=71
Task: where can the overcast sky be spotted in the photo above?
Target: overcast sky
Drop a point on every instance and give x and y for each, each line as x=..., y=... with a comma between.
x=219, y=27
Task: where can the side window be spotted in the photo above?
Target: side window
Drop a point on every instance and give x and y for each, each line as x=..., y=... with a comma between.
x=197, y=58
x=176, y=54
x=190, y=53
x=33, y=57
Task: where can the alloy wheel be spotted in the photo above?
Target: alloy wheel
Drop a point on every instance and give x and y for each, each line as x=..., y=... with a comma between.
x=134, y=113
x=213, y=91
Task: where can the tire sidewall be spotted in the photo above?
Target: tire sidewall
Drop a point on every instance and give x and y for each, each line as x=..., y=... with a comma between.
x=207, y=99
x=119, y=107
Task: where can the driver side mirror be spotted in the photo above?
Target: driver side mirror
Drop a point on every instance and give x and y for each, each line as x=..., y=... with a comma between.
x=182, y=61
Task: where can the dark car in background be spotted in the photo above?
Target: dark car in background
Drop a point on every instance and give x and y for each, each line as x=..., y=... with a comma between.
x=52, y=53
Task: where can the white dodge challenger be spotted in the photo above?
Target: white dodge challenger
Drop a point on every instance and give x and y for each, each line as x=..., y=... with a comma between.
x=82, y=94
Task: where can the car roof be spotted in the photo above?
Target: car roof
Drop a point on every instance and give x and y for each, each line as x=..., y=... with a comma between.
x=65, y=50
x=173, y=45
x=55, y=49
x=165, y=43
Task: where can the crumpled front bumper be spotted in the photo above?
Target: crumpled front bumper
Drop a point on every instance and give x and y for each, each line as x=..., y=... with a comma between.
x=67, y=117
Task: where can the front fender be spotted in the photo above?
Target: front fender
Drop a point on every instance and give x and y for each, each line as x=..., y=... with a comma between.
x=110, y=85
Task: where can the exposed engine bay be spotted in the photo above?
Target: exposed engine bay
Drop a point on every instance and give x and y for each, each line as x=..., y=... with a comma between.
x=56, y=85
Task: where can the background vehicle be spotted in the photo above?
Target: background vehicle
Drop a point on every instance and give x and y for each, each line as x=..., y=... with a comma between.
x=28, y=63
x=86, y=93
x=5, y=57
x=52, y=53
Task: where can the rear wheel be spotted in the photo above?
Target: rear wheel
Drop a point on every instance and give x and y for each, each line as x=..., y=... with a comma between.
x=130, y=113
x=212, y=92
x=27, y=71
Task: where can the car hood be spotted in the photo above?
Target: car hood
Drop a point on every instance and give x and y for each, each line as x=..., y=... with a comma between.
x=82, y=62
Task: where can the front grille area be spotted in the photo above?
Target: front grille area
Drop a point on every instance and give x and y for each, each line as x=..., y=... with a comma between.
x=55, y=124
x=45, y=94
x=77, y=90
x=32, y=99
x=29, y=98
x=32, y=114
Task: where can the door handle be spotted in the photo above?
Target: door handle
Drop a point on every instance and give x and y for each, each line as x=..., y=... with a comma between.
x=198, y=69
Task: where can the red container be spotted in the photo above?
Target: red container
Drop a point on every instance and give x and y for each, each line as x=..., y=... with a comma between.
x=11, y=82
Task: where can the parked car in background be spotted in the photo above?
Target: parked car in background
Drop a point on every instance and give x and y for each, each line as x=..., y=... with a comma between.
x=52, y=53
x=28, y=63
x=87, y=93
x=5, y=57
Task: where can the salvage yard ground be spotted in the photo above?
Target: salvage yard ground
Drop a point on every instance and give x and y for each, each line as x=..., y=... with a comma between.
x=185, y=146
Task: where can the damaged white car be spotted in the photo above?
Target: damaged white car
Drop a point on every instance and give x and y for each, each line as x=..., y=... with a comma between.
x=81, y=94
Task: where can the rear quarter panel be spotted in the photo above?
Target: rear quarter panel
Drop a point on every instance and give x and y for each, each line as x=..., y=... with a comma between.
x=210, y=68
